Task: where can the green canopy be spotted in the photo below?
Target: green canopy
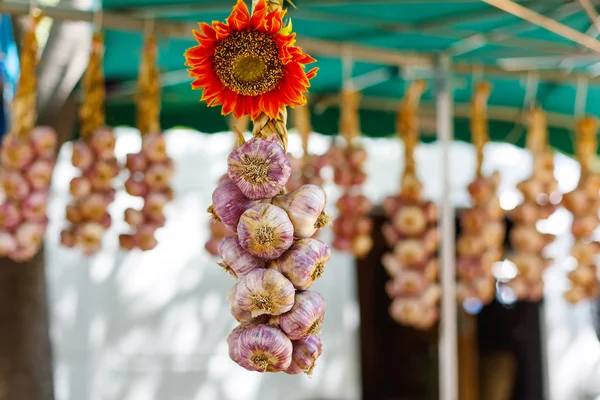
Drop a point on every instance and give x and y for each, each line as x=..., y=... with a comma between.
x=480, y=38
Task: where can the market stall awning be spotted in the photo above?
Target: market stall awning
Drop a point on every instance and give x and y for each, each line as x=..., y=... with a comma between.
x=389, y=42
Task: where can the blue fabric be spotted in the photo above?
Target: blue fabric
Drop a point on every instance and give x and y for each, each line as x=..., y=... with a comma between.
x=9, y=70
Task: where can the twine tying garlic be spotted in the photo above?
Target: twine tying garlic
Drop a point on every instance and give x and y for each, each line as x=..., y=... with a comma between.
x=27, y=162
x=93, y=155
x=583, y=203
x=412, y=233
x=482, y=227
x=352, y=227
x=151, y=170
x=273, y=257
x=540, y=199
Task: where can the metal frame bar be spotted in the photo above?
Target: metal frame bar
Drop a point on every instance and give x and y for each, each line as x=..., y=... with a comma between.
x=121, y=21
x=591, y=12
x=448, y=344
x=219, y=6
x=546, y=23
x=428, y=28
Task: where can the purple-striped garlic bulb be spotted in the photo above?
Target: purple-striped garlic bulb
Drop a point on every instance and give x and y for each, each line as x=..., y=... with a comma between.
x=305, y=353
x=265, y=231
x=305, y=206
x=236, y=260
x=305, y=317
x=229, y=203
x=262, y=348
x=303, y=263
x=265, y=291
x=260, y=168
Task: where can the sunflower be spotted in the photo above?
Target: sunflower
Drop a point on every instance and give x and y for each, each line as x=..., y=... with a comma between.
x=249, y=64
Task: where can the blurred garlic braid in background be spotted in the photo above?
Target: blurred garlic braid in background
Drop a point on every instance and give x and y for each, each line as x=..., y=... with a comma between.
x=411, y=232
x=352, y=227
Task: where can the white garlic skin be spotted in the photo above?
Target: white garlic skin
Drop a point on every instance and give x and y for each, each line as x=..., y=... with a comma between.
x=304, y=262
x=305, y=317
x=305, y=354
x=265, y=291
x=305, y=207
x=265, y=231
x=243, y=317
x=236, y=259
x=264, y=348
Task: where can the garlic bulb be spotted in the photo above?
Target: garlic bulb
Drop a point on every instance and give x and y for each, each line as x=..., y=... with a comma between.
x=305, y=207
x=237, y=261
x=303, y=263
x=411, y=252
x=470, y=246
x=493, y=235
x=410, y=221
x=526, y=214
x=362, y=245
x=265, y=231
x=304, y=355
x=408, y=283
x=264, y=348
x=391, y=264
x=265, y=291
x=406, y=310
x=233, y=341
x=305, y=317
x=229, y=204
x=259, y=168
x=242, y=316
x=583, y=275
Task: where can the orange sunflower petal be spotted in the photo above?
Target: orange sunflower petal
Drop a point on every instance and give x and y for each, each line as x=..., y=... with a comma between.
x=208, y=31
x=290, y=89
x=222, y=30
x=274, y=21
x=258, y=15
x=312, y=73
x=239, y=17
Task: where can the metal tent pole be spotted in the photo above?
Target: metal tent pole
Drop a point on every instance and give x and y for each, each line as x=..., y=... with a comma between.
x=448, y=353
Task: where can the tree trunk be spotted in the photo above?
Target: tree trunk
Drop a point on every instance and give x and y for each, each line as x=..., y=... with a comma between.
x=25, y=348
x=25, y=352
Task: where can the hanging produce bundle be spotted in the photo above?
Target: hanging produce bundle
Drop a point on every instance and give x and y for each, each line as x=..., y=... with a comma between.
x=538, y=191
x=250, y=66
x=583, y=203
x=217, y=229
x=150, y=170
x=483, y=231
x=353, y=226
x=307, y=168
x=93, y=155
x=26, y=162
x=412, y=233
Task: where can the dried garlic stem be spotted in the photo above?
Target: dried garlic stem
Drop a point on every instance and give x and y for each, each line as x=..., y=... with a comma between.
x=266, y=128
x=92, y=109
x=24, y=111
x=213, y=214
x=148, y=102
x=323, y=220
x=318, y=272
